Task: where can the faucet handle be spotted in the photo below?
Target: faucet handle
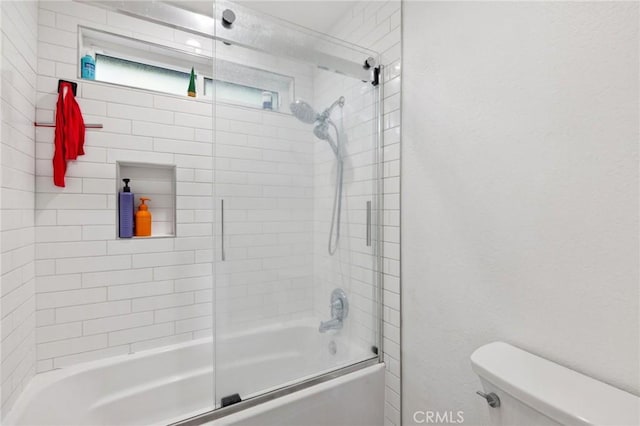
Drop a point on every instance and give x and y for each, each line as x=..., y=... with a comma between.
x=339, y=304
x=339, y=309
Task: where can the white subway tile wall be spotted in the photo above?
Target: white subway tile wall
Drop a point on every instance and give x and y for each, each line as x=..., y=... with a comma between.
x=128, y=295
x=17, y=151
x=97, y=295
x=376, y=25
x=263, y=173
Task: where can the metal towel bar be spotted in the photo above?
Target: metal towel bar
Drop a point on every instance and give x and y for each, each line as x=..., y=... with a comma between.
x=88, y=126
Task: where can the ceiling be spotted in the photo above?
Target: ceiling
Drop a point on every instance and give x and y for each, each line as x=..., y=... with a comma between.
x=317, y=15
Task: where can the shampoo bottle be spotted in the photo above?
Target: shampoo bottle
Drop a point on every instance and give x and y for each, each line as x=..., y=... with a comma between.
x=267, y=100
x=143, y=219
x=125, y=211
x=88, y=67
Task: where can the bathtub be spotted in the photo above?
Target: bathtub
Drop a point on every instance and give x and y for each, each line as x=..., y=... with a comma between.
x=172, y=383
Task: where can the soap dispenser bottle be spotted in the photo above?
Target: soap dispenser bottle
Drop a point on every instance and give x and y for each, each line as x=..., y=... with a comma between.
x=125, y=211
x=143, y=219
x=88, y=67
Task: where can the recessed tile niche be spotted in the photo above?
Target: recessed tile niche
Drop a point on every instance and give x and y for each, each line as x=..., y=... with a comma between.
x=158, y=183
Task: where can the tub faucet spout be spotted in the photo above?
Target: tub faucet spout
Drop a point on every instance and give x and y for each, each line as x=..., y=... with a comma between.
x=339, y=311
x=332, y=324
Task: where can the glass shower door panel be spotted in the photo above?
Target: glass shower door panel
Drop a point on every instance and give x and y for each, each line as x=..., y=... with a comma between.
x=264, y=182
x=279, y=180
x=345, y=257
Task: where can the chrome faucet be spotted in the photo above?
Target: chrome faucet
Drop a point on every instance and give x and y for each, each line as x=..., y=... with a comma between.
x=339, y=311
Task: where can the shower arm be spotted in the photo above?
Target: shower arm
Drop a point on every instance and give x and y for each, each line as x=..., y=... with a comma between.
x=327, y=112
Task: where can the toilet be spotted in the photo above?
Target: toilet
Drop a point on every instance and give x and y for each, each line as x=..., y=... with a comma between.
x=531, y=390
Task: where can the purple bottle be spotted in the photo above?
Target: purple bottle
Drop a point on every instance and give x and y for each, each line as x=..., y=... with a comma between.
x=125, y=211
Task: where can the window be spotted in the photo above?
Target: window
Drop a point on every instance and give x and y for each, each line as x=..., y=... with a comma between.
x=135, y=74
x=244, y=95
x=135, y=63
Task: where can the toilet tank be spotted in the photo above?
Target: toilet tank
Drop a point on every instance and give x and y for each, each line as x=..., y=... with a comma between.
x=535, y=391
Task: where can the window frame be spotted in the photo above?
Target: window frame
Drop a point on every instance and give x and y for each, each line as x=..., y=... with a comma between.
x=135, y=54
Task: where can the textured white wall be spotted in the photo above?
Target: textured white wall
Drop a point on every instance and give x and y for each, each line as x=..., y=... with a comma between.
x=520, y=192
x=17, y=147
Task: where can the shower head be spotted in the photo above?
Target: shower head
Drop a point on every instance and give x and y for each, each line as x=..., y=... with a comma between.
x=304, y=112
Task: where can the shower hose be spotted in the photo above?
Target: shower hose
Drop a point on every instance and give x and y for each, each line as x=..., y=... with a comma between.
x=334, y=232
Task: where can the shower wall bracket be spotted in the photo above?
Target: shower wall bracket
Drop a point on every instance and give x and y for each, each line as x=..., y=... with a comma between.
x=376, y=76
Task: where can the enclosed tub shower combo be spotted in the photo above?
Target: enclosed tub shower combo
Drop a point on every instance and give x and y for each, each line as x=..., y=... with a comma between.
x=281, y=320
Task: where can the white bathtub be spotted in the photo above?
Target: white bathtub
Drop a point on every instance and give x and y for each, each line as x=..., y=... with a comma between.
x=161, y=386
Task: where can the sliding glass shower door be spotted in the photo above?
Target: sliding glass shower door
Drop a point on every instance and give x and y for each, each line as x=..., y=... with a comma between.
x=297, y=159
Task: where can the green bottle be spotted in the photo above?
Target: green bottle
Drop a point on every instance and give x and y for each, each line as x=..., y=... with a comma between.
x=192, y=84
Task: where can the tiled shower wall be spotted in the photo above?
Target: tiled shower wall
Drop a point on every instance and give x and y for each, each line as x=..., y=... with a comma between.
x=98, y=296
x=263, y=172
x=376, y=25
x=17, y=149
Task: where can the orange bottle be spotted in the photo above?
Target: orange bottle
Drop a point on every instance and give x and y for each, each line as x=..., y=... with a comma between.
x=143, y=219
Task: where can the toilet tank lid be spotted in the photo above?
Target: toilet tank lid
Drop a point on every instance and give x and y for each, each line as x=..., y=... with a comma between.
x=564, y=395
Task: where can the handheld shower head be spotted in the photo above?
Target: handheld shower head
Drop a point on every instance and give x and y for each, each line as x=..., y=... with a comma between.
x=321, y=131
x=304, y=112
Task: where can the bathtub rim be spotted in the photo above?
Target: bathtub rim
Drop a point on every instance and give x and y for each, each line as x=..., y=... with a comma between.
x=42, y=381
x=219, y=413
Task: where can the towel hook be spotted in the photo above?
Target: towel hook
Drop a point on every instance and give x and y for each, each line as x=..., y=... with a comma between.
x=74, y=86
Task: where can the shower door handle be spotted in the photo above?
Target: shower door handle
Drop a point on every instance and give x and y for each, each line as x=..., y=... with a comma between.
x=368, y=224
x=222, y=254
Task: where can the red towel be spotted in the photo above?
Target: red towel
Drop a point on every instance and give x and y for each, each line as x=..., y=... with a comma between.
x=69, y=137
